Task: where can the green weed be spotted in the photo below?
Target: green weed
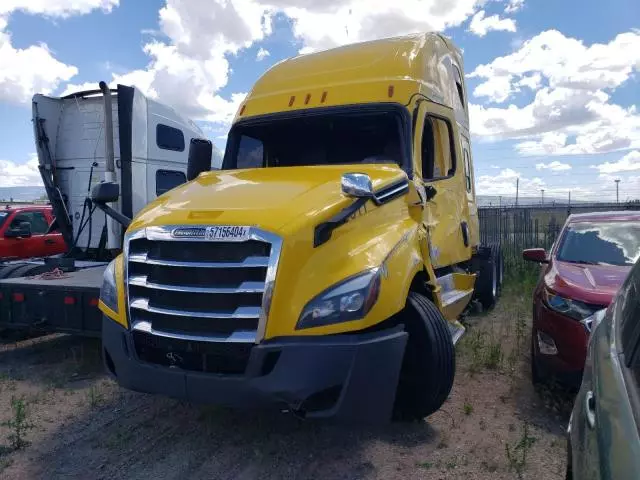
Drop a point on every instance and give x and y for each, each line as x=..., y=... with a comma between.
x=18, y=424
x=517, y=454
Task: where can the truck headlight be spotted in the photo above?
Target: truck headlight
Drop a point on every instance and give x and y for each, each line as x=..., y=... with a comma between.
x=571, y=308
x=348, y=300
x=108, y=291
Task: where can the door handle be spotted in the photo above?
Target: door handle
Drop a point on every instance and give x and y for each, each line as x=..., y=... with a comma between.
x=590, y=408
x=49, y=241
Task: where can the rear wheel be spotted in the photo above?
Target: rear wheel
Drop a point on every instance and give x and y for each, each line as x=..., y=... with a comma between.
x=499, y=267
x=428, y=366
x=487, y=282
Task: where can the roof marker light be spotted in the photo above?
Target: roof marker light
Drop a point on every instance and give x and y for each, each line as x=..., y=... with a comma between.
x=307, y=98
x=291, y=100
x=324, y=97
x=390, y=91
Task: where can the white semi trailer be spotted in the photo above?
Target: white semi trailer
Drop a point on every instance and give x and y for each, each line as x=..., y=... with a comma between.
x=114, y=135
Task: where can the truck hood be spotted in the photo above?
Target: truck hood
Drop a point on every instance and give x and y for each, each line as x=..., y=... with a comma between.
x=589, y=283
x=270, y=198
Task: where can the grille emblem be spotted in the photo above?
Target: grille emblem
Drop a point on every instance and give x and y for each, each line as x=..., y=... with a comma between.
x=174, y=358
x=227, y=233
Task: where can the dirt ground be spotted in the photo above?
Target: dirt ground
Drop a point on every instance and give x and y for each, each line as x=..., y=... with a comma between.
x=73, y=422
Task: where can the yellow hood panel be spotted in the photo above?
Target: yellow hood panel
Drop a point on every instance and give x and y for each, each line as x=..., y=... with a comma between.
x=270, y=198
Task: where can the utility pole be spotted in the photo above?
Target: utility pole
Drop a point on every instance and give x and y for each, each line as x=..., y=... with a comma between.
x=517, y=188
x=569, y=197
x=542, y=191
x=617, y=180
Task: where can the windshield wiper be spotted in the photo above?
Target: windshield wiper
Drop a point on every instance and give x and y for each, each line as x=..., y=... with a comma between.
x=585, y=262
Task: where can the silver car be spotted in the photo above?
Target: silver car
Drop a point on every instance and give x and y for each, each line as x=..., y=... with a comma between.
x=603, y=432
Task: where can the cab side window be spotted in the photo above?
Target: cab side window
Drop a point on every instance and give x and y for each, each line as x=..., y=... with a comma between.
x=467, y=171
x=459, y=85
x=37, y=221
x=168, y=179
x=438, y=157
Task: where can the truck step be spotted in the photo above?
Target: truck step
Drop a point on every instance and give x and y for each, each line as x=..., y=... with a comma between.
x=456, y=291
x=457, y=330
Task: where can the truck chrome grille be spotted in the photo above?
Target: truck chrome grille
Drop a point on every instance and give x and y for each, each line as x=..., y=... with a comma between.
x=194, y=289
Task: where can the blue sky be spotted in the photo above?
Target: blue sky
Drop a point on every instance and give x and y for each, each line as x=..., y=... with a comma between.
x=554, y=85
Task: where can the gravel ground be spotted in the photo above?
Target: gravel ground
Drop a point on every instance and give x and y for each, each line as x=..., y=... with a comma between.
x=79, y=424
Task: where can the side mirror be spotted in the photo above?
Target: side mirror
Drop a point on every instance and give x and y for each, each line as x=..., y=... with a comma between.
x=23, y=231
x=200, y=152
x=538, y=255
x=357, y=185
x=105, y=192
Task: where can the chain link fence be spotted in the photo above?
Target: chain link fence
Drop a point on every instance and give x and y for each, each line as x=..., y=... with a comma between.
x=518, y=228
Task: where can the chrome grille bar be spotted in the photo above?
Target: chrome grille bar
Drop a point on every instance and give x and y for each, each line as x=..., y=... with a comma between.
x=240, y=312
x=244, y=287
x=142, y=257
x=240, y=336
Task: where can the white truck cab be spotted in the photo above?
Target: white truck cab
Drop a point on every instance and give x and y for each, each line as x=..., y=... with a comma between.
x=146, y=156
x=150, y=142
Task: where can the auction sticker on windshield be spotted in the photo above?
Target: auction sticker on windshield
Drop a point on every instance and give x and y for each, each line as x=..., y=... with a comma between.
x=227, y=233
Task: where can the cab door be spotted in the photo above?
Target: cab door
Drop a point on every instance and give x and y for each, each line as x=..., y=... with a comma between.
x=53, y=241
x=469, y=184
x=439, y=166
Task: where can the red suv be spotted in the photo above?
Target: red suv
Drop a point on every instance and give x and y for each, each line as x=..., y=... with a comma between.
x=587, y=264
x=24, y=233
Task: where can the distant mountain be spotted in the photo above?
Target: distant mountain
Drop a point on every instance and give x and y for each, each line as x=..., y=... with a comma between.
x=21, y=194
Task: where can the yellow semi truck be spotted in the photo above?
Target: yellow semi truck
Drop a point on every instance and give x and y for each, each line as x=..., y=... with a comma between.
x=322, y=270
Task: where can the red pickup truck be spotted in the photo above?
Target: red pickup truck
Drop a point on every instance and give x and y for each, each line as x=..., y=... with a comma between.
x=23, y=233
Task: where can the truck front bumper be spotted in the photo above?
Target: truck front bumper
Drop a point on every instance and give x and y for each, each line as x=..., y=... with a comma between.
x=345, y=377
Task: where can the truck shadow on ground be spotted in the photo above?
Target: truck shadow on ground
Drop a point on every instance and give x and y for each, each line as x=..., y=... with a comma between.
x=89, y=427
x=140, y=436
x=52, y=360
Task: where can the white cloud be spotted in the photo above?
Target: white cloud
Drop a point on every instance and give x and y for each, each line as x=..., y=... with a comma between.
x=321, y=25
x=572, y=84
x=628, y=163
x=506, y=182
x=513, y=6
x=29, y=70
x=567, y=62
x=481, y=25
x=554, y=166
x=262, y=54
x=35, y=69
x=20, y=174
x=200, y=36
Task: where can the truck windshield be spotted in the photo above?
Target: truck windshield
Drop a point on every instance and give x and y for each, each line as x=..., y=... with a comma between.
x=3, y=217
x=612, y=243
x=322, y=139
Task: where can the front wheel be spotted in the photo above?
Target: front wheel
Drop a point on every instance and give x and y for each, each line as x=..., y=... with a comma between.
x=428, y=367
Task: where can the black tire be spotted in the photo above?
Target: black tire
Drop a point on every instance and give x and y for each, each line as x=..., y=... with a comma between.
x=429, y=363
x=487, y=282
x=500, y=267
x=24, y=271
x=7, y=270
